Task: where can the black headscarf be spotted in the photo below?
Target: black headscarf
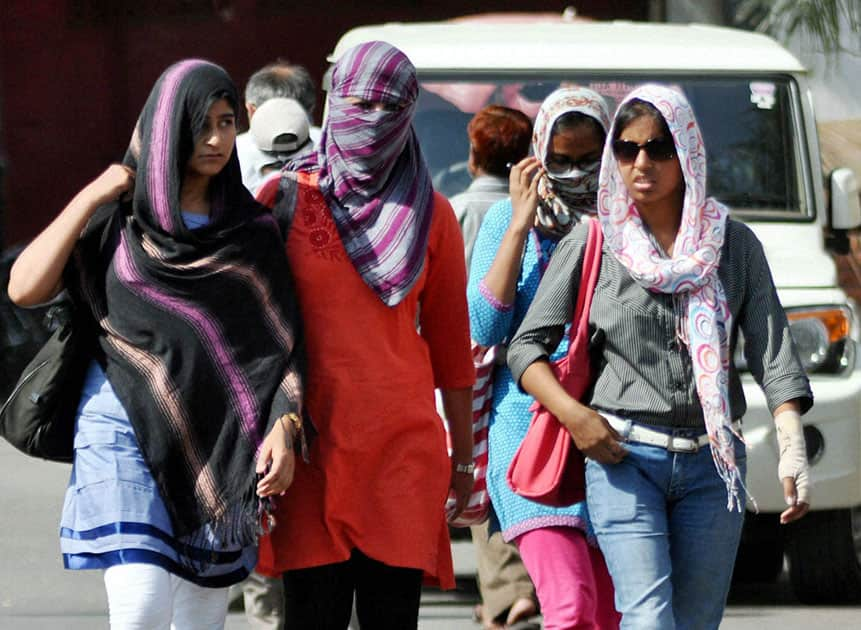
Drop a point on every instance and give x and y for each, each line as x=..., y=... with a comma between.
x=199, y=327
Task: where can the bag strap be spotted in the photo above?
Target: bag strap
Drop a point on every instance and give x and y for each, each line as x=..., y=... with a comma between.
x=288, y=193
x=588, y=280
x=285, y=201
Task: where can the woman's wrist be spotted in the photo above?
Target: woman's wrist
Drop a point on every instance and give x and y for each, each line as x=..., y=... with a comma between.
x=461, y=455
x=518, y=232
x=291, y=426
x=94, y=195
x=462, y=464
x=463, y=467
x=573, y=414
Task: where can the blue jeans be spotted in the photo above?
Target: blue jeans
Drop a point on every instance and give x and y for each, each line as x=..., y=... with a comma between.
x=662, y=522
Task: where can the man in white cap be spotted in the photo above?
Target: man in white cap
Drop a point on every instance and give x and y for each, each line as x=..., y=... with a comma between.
x=276, y=80
x=279, y=133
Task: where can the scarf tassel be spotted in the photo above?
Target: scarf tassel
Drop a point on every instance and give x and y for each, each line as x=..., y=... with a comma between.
x=732, y=478
x=239, y=527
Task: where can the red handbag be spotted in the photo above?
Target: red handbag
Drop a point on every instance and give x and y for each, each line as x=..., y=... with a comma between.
x=547, y=467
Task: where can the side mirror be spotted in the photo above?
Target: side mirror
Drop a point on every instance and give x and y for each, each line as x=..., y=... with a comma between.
x=845, y=202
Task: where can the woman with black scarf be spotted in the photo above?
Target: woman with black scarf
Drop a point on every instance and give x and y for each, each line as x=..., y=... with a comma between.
x=192, y=404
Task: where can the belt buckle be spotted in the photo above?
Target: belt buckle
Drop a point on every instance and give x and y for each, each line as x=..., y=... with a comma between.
x=690, y=447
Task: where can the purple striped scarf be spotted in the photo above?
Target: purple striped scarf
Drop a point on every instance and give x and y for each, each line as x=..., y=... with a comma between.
x=372, y=172
x=198, y=326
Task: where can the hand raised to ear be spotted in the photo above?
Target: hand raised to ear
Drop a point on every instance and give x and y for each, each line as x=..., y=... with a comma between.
x=523, y=188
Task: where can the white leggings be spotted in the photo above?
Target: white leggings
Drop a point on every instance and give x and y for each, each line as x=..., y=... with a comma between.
x=147, y=597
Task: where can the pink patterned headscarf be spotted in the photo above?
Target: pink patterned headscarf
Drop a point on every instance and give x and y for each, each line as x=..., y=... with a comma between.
x=703, y=318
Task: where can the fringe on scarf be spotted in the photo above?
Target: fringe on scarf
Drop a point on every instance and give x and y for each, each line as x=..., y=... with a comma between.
x=240, y=526
x=731, y=476
x=732, y=479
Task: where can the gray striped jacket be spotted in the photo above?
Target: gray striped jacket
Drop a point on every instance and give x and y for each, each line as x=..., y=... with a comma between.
x=643, y=373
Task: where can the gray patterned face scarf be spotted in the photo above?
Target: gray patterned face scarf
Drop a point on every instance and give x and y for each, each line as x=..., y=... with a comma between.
x=564, y=197
x=199, y=327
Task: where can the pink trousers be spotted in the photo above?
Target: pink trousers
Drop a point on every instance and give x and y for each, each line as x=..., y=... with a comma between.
x=571, y=579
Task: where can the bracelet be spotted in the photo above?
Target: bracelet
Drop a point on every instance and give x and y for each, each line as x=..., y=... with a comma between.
x=295, y=423
x=465, y=468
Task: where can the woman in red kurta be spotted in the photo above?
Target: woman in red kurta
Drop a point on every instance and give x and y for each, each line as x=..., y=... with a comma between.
x=378, y=263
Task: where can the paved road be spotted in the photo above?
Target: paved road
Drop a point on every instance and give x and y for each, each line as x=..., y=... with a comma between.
x=36, y=593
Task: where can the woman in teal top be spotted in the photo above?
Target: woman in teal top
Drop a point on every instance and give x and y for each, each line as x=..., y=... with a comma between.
x=549, y=194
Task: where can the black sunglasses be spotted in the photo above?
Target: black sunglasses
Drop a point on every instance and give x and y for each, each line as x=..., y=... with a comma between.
x=658, y=149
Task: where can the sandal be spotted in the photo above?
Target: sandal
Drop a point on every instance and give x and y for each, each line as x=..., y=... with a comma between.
x=491, y=624
x=519, y=614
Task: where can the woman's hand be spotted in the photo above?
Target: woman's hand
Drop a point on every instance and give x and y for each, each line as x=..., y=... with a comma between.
x=797, y=508
x=501, y=278
x=277, y=461
x=792, y=468
x=36, y=276
x=461, y=484
x=594, y=436
x=115, y=181
x=591, y=432
x=457, y=405
x=523, y=188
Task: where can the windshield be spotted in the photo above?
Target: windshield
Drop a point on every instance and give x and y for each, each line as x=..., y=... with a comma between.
x=754, y=161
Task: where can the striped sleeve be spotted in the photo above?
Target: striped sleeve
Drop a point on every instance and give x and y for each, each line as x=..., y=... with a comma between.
x=770, y=352
x=544, y=325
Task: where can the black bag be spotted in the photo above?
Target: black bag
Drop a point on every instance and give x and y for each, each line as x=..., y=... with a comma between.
x=38, y=418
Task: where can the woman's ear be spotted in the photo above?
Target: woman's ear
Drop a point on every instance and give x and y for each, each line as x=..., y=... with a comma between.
x=470, y=163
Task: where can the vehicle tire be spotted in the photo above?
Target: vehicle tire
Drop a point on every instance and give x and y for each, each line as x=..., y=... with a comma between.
x=823, y=549
x=760, y=553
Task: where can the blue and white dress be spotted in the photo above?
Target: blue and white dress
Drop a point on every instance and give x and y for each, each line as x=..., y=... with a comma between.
x=113, y=512
x=491, y=323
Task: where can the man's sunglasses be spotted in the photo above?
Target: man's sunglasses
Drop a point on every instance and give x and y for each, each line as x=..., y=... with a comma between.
x=658, y=149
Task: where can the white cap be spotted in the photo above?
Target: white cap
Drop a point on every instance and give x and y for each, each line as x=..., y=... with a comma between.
x=280, y=125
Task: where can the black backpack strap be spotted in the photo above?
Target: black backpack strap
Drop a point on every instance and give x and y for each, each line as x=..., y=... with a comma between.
x=285, y=201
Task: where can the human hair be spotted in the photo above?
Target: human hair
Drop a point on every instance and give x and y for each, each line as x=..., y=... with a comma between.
x=498, y=135
x=191, y=134
x=282, y=80
x=227, y=95
x=572, y=120
x=634, y=109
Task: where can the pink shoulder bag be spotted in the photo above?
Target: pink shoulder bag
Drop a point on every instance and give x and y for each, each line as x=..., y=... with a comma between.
x=548, y=468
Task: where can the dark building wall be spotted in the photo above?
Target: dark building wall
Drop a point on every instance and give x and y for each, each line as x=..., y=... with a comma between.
x=75, y=73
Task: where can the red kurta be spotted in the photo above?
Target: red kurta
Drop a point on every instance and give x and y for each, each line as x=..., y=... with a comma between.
x=379, y=472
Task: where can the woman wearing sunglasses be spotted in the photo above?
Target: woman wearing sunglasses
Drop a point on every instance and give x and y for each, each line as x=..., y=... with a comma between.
x=679, y=280
x=549, y=193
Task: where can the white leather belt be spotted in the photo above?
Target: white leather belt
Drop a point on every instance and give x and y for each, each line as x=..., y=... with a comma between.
x=631, y=432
